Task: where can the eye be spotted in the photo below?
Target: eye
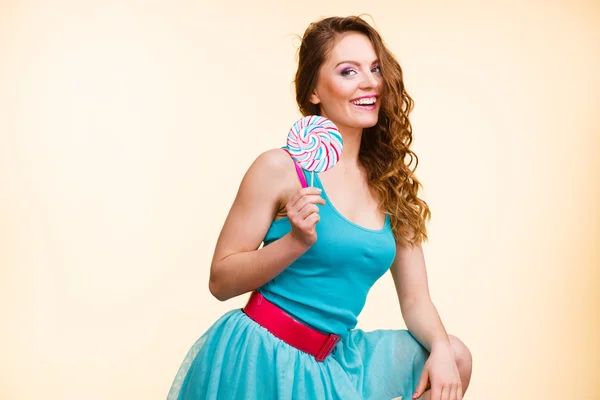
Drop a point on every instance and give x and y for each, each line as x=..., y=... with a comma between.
x=348, y=72
x=376, y=69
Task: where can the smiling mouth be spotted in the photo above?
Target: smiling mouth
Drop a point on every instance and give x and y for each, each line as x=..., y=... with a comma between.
x=365, y=101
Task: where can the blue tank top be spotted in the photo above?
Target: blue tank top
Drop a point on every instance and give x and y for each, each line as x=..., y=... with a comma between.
x=327, y=286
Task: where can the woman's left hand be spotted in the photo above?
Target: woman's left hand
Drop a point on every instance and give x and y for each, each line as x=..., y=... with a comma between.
x=442, y=373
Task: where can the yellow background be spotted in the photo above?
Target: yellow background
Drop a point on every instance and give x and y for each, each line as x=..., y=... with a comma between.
x=125, y=128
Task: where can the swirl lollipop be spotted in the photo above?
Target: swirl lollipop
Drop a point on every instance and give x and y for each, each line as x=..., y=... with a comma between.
x=315, y=143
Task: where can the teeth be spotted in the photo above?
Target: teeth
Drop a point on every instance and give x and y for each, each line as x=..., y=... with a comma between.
x=365, y=101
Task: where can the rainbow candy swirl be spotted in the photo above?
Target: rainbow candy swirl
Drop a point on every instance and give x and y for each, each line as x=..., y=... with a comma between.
x=315, y=143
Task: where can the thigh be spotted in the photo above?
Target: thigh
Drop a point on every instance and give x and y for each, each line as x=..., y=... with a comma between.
x=391, y=362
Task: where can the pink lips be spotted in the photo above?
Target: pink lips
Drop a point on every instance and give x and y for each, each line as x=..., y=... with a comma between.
x=366, y=97
x=366, y=107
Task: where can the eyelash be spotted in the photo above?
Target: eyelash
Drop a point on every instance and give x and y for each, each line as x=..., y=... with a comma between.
x=344, y=73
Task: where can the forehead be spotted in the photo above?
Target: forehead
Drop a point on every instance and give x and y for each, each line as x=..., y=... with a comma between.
x=352, y=46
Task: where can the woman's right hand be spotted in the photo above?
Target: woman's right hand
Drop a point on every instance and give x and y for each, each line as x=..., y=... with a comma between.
x=241, y=262
x=303, y=214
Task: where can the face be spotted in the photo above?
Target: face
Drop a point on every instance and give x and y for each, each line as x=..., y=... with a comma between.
x=349, y=83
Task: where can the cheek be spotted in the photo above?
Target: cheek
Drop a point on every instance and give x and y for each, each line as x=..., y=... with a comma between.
x=339, y=90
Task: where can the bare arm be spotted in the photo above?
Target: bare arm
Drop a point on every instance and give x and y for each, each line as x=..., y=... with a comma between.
x=238, y=265
x=419, y=313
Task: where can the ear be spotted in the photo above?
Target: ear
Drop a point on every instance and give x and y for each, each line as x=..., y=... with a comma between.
x=314, y=98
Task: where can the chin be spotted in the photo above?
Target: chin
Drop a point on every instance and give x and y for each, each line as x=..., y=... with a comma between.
x=368, y=122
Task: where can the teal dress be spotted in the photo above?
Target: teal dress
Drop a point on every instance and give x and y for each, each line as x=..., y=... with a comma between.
x=325, y=288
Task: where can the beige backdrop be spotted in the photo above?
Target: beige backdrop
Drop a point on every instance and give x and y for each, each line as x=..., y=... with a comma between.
x=125, y=128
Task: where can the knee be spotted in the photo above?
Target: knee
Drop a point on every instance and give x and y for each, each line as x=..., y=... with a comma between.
x=462, y=354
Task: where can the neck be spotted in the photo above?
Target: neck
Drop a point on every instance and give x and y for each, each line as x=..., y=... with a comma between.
x=352, y=139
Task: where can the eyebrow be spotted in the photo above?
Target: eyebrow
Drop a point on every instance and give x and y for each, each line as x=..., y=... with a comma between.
x=353, y=63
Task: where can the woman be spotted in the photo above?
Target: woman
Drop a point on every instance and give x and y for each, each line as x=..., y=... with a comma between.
x=324, y=247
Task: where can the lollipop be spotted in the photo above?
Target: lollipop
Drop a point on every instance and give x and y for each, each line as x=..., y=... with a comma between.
x=315, y=143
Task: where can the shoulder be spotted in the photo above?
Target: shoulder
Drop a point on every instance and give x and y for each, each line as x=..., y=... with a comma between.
x=274, y=168
x=270, y=181
x=274, y=163
x=276, y=160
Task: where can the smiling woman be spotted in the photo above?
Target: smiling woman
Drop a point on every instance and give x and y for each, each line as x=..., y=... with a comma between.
x=297, y=336
x=348, y=88
x=358, y=83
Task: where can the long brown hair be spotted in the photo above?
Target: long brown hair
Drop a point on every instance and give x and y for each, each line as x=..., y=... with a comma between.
x=385, y=148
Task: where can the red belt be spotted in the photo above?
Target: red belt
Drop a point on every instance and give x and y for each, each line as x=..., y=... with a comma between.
x=286, y=328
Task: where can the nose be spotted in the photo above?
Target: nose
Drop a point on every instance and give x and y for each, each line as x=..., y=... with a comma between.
x=369, y=81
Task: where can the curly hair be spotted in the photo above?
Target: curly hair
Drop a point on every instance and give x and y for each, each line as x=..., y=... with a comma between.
x=385, y=148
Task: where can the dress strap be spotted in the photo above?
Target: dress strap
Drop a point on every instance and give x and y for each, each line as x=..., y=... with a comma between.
x=299, y=171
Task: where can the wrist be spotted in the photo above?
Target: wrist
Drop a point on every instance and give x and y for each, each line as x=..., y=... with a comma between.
x=297, y=246
x=442, y=344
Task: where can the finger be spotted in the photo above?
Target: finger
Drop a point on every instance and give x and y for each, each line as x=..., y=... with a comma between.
x=308, y=210
x=453, y=393
x=303, y=201
x=436, y=393
x=422, y=385
x=293, y=208
x=304, y=192
x=312, y=220
x=308, y=199
x=459, y=392
x=308, y=191
x=308, y=225
x=445, y=393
